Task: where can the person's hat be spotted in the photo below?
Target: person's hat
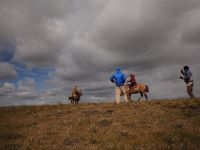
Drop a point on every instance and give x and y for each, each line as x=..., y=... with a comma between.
x=118, y=69
x=186, y=68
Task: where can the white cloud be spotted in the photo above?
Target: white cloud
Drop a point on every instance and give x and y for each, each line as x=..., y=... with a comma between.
x=26, y=89
x=7, y=89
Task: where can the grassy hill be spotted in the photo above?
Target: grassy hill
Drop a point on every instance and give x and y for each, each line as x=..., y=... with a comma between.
x=166, y=124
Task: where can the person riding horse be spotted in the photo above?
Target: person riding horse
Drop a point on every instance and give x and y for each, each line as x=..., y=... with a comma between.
x=132, y=81
x=75, y=95
x=132, y=87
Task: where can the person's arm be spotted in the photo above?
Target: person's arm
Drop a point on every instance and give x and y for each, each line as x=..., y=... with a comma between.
x=128, y=80
x=182, y=72
x=124, y=78
x=112, y=79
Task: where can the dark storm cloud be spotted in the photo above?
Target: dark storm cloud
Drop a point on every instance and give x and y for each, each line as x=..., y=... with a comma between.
x=139, y=26
x=86, y=41
x=7, y=71
x=190, y=25
x=36, y=27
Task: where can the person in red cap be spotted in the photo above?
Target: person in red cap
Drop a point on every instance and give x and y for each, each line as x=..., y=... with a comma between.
x=132, y=80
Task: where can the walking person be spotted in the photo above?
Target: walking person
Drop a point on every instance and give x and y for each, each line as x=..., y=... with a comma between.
x=119, y=79
x=187, y=77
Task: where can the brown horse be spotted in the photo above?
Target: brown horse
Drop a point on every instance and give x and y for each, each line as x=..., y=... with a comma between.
x=138, y=88
x=75, y=97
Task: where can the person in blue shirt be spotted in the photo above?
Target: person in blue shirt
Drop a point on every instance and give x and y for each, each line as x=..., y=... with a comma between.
x=119, y=79
x=187, y=77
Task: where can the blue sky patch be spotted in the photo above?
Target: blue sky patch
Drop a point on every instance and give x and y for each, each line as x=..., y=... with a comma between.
x=6, y=54
x=38, y=74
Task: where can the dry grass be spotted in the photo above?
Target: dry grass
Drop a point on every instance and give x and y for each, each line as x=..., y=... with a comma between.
x=167, y=124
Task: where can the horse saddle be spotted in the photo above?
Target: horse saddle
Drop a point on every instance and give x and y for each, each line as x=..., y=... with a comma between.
x=134, y=88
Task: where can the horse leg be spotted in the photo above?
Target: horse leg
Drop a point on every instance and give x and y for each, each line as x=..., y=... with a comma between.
x=70, y=99
x=77, y=100
x=74, y=100
x=129, y=96
x=141, y=95
x=146, y=96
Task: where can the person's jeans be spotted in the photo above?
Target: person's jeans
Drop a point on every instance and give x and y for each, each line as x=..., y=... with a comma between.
x=118, y=91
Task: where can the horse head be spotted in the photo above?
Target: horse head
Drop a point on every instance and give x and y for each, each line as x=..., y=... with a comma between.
x=80, y=93
x=127, y=88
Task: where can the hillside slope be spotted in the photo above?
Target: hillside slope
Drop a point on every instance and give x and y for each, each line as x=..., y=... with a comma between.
x=166, y=124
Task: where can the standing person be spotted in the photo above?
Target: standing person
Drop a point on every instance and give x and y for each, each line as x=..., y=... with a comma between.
x=187, y=77
x=119, y=79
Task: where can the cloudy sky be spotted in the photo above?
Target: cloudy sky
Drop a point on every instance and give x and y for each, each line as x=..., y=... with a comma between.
x=47, y=46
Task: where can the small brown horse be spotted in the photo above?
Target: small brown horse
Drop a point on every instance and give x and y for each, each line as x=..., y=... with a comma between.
x=138, y=88
x=75, y=98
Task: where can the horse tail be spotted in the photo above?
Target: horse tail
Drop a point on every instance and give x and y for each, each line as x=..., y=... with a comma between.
x=147, y=89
